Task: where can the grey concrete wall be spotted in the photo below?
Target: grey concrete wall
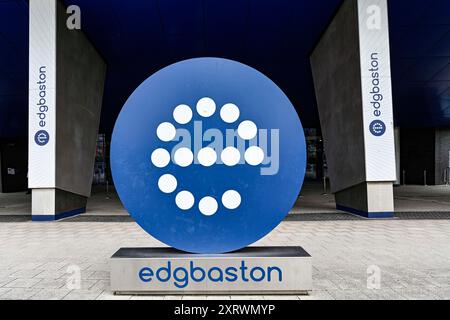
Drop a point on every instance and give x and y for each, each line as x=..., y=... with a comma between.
x=79, y=91
x=337, y=77
x=1, y=171
x=367, y=197
x=53, y=202
x=442, y=149
x=397, y=156
x=354, y=198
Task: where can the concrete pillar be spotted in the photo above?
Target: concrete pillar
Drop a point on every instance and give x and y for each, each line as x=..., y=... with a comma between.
x=1, y=171
x=397, y=157
x=442, y=155
x=352, y=77
x=66, y=80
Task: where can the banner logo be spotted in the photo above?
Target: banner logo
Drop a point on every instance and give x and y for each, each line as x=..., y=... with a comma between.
x=41, y=138
x=377, y=128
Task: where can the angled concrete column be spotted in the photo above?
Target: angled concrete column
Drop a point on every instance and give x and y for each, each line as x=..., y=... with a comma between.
x=351, y=70
x=398, y=169
x=442, y=156
x=66, y=79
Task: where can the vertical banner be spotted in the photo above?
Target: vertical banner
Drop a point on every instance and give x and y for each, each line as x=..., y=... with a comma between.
x=376, y=90
x=42, y=94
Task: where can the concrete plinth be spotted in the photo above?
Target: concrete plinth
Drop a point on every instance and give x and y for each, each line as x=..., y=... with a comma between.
x=253, y=270
x=54, y=204
x=370, y=200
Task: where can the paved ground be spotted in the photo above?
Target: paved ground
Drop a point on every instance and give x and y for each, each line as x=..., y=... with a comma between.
x=312, y=200
x=406, y=199
x=413, y=252
x=15, y=203
x=413, y=257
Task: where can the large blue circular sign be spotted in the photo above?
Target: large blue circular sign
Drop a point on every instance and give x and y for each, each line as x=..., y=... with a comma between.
x=208, y=155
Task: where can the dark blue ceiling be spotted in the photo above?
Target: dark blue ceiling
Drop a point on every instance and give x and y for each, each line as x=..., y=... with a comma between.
x=13, y=68
x=420, y=54
x=138, y=37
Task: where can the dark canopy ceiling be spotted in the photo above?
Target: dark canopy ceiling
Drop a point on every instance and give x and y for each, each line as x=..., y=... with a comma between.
x=138, y=37
x=420, y=54
x=13, y=68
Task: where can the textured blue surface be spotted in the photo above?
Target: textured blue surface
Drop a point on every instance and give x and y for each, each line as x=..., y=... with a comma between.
x=266, y=200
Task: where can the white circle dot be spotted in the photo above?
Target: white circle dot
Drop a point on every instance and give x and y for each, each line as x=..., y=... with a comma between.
x=229, y=113
x=167, y=183
x=247, y=130
x=160, y=158
x=254, y=156
x=207, y=157
x=166, y=132
x=230, y=156
x=208, y=206
x=183, y=157
x=182, y=114
x=231, y=199
x=185, y=200
x=206, y=107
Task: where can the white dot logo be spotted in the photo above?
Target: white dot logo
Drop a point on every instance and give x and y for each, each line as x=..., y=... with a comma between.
x=182, y=114
x=247, y=130
x=167, y=183
x=166, y=132
x=185, y=200
x=230, y=156
x=200, y=153
x=160, y=158
x=206, y=107
x=231, y=199
x=254, y=156
x=207, y=156
x=208, y=206
x=229, y=113
x=184, y=157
